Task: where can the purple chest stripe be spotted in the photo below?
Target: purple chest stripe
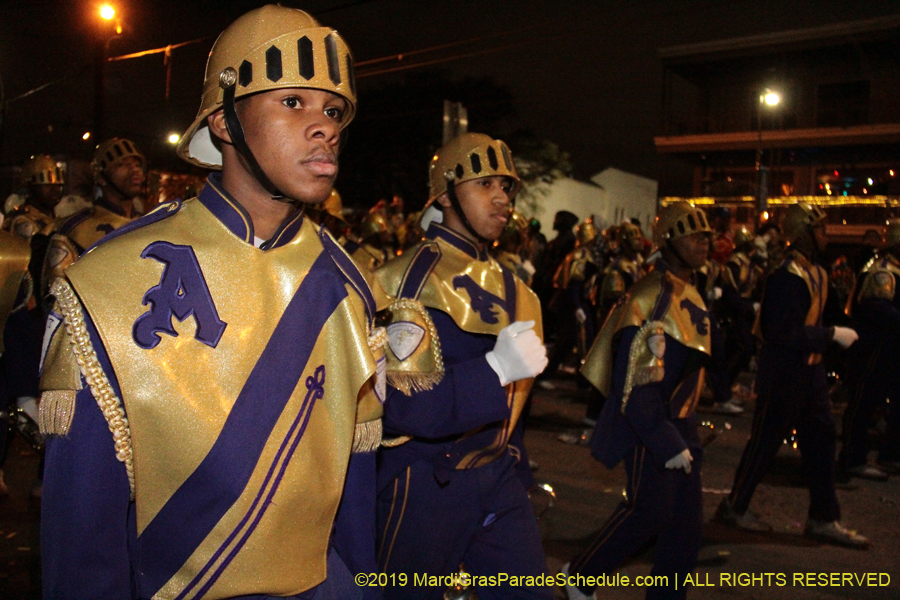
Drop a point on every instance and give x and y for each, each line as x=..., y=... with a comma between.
x=197, y=506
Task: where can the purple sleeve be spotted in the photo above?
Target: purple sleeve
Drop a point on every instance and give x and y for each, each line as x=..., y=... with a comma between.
x=354, y=525
x=85, y=511
x=468, y=396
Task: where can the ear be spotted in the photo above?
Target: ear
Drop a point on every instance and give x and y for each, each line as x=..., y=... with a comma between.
x=217, y=127
x=443, y=200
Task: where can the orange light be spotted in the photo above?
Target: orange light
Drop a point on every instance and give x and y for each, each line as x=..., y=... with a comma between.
x=86, y=136
x=107, y=12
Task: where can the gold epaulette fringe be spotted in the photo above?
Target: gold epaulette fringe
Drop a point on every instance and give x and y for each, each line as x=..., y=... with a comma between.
x=367, y=436
x=410, y=381
x=647, y=373
x=87, y=360
x=56, y=411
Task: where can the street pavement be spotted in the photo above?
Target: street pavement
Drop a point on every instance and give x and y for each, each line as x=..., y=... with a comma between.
x=586, y=492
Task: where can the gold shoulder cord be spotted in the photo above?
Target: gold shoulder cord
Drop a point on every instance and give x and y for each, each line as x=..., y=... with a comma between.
x=641, y=374
x=87, y=360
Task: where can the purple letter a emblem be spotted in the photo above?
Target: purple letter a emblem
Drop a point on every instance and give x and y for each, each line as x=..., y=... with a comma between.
x=181, y=292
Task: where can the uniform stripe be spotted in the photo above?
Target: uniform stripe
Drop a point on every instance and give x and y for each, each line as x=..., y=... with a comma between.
x=195, y=509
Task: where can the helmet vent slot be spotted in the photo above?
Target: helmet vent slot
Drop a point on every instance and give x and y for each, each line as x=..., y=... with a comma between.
x=334, y=65
x=273, y=63
x=305, y=52
x=245, y=73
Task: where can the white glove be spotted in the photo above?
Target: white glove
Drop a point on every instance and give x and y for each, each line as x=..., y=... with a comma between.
x=528, y=267
x=579, y=314
x=682, y=460
x=518, y=353
x=845, y=336
x=756, y=306
x=715, y=293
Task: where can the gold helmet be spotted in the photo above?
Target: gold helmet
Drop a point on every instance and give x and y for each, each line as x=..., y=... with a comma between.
x=586, y=232
x=799, y=218
x=373, y=223
x=629, y=231
x=471, y=156
x=678, y=220
x=742, y=236
x=41, y=169
x=516, y=227
x=271, y=47
x=892, y=233
x=112, y=151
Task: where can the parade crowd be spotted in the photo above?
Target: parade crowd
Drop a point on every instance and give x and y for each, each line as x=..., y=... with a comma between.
x=255, y=392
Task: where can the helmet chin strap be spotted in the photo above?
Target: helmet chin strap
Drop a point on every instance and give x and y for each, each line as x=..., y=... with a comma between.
x=458, y=209
x=236, y=131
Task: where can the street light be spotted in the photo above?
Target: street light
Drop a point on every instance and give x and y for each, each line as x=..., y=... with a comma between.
x=108, y=14
x=768, y=98
x=174, y=138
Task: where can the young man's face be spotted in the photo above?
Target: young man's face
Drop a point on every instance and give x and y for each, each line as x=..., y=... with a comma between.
x=486, y=204
x=127, y=176
x=294, y=135
x=693, y=249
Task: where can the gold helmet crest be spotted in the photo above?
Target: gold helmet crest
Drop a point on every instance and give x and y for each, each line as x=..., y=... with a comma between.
x=799, y=218
x=112, y=151
x=471, y=156
x=678, y=220
x=271, y=47
x=586, y=232
x=41, y=169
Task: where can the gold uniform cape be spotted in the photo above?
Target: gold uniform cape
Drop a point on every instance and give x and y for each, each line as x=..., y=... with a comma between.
x=74, y=235
x=654, y=293
x=179, y=396
x=426, y=273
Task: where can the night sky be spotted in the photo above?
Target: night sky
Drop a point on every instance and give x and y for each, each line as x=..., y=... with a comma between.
x=584, y=74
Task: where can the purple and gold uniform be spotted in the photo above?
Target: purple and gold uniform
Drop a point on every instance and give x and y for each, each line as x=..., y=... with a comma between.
x=76, y=234
x=449, y=493
x=649, y=361
x=217, y=442
x=791, y=386
x=872, y=374
x=212, y=396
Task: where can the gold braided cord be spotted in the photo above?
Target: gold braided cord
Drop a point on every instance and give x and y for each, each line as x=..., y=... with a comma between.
x=87, y=360
x=377, y=338
x=648, y=374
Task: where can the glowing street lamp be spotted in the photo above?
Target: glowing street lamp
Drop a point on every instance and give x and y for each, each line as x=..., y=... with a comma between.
x=174, y=138
x=771, y=99
x=108, y=14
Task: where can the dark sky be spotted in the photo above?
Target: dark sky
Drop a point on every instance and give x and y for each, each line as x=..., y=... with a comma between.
x=584, y=74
